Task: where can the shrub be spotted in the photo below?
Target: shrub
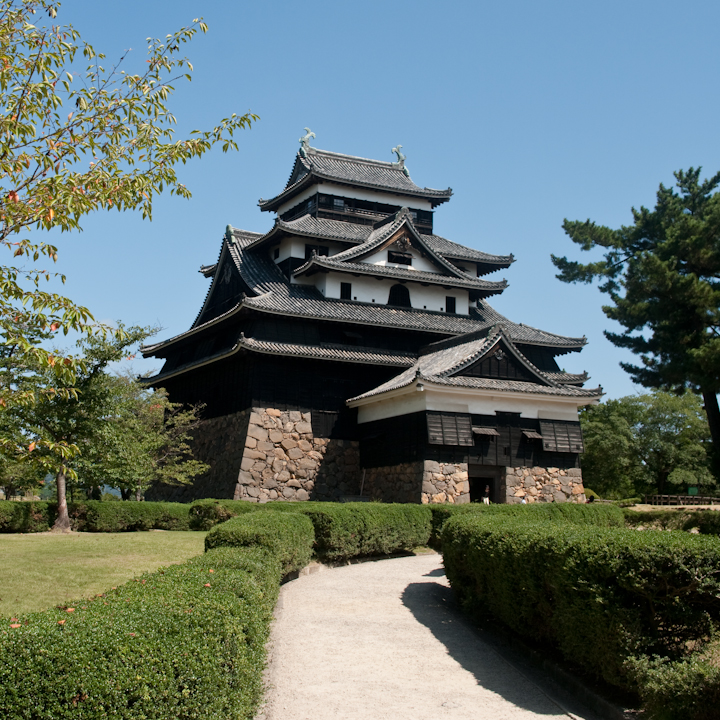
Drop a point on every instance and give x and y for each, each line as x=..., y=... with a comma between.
x=346, y=530
x=707, y=522
x=688, y=689
x=601, y=595
x=288, y=536
x=25, y=517
x=131, y=516
x=205, y=514
x=600, y=515
x=183, y=642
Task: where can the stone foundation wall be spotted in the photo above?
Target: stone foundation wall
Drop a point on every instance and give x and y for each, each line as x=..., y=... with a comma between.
x=544, y=485
x=418, y=482
x=282, y=460
x=219, y=442
x=445, y=482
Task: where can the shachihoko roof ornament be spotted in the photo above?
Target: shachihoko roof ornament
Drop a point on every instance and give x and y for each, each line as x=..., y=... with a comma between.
x=305, y=141
x=400, y=160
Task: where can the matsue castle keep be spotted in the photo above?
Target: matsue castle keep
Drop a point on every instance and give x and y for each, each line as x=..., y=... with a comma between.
x=352, y=351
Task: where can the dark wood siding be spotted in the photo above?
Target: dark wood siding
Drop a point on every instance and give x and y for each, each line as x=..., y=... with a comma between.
x=415, y=437
x=506, y=368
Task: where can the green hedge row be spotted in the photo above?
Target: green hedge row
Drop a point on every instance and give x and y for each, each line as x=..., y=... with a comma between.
x=342, y=530
x=95, y=516
x=184, y=642
x=607, y=598
x=706, y=521
x=288, y=536
x=599, y=515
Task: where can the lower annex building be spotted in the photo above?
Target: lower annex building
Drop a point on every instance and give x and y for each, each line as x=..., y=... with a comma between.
x=350, y=351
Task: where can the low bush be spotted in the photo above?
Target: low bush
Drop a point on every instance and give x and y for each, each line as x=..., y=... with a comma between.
x=347, y=530
x=25, y=517
x=687, y=689
x=205, y=514
x=288, y=536
x=600, y=595
x=95, y=516
x=599, y=515
x=707, y=522
x=184, y=642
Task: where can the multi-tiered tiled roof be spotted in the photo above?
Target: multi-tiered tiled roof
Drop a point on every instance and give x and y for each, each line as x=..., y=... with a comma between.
x=260, y=288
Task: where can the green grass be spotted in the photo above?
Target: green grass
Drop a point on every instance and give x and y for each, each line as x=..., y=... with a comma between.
x=43, y=570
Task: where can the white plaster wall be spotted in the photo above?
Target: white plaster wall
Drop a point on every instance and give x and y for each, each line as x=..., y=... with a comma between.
x=369, y=289
x=294, y=246
x=476, y=402
x=359, y=194
x=418, y=261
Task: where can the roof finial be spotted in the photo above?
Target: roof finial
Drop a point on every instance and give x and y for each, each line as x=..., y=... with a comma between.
x=305, y=141
x=400, y=160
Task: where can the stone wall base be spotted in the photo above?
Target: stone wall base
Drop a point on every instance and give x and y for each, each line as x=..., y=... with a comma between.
x=282, y=460
x=219, y=443
x=538, y=484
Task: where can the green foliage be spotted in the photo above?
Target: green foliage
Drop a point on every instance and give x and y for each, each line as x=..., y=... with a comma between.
x=184, y=642
x=288, y=536
x=98, y=516
x=205, y=514
x=600, y=595
x=644, y=444
x=578, y=514
x=25, y=517
x=660, y=274
x=95, y=516
x=342, y=530
x=687, y=689
x=76, y=137
x=706, y=522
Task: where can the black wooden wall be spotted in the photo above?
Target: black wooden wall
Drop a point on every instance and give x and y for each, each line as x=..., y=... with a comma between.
x=396, y=440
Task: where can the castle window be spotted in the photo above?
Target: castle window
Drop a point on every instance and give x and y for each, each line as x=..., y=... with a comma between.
x=345, y=291
x=338, y=204
x=318, y=249
x=399, y=296
x=400, y=258
x=276, y=253
x=450, y=304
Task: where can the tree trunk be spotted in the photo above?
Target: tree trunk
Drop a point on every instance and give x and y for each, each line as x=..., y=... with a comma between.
x=62, y=524
x=713, y=415
x=138, y=495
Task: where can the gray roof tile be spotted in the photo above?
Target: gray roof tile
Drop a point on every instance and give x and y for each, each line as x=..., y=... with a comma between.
x=351, y=170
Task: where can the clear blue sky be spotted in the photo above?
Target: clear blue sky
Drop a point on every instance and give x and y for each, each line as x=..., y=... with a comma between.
x=531, y=112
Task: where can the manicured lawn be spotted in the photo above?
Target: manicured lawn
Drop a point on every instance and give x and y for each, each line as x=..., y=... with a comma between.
x=44, y=570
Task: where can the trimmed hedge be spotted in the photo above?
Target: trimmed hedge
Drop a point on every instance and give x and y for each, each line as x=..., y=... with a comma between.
x=95, y=516
x=706, y=521
x=205, y=514
x=184, y=642
x=25, y=517
x=347, y=530
x=600, y=595
x=599, y=515
x=288, y=536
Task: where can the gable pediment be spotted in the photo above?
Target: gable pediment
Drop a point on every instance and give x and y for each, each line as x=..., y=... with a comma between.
x=502, y=361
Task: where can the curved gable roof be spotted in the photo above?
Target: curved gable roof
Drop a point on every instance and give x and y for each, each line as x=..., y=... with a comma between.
x=350, y=170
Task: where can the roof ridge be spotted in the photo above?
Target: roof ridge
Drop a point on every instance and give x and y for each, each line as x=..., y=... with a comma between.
x=344, y=156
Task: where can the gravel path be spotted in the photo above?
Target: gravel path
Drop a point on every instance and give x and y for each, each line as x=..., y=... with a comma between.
x=383, y=640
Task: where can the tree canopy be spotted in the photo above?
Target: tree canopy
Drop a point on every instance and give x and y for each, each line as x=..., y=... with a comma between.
x=662, y=275
x=646, y=444
x=76, y=137
x=109, y=431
